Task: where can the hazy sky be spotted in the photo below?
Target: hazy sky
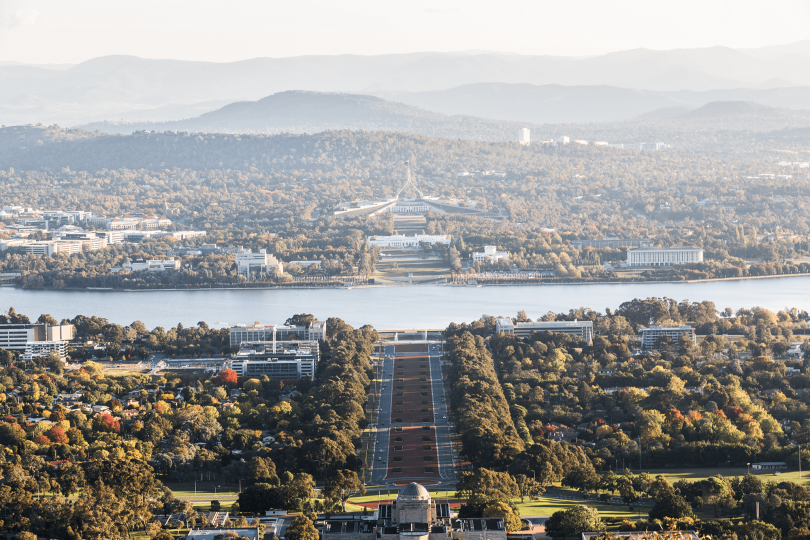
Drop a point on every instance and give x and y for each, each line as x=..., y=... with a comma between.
x=56, y=31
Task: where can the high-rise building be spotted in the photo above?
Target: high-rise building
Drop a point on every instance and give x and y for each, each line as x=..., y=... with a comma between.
x=524, y=138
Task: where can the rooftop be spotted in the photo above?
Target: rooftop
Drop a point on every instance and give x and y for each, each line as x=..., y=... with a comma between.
x=413, y=492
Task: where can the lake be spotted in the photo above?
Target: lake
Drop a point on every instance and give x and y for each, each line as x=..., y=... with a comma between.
x=404, y=307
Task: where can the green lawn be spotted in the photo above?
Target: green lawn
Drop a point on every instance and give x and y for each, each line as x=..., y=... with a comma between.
x=673, y=475
x=419, y=268
x=388, y=495
x=546, y=507
x=212, y=489
x=225, y=506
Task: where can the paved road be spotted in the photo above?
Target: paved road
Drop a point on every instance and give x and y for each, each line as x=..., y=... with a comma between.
x=380, y=455
x=440, y=416
x=441, y=420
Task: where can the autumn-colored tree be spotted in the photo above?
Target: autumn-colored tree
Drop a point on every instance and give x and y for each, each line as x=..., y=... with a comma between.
x=106, y=423
x=57, y=435
x=226, y=377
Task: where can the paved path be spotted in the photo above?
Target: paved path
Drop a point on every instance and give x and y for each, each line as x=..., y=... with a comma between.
x=438, y=429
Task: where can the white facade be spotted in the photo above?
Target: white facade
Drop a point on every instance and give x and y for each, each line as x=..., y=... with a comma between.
x=563, y=140
x=41, y=349
x=262, y=262
x=409, y=207
x=112, y=237
x=664, y=256
x=280, y=360
x=490, y=253
x=649, y=336
x=401, y=241
x=583, y=329
x=51, y=247
x=524, y=136
x=153, y=265
x=244, y=333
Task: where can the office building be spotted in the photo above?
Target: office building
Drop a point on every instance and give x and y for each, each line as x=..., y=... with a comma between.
x=524, y=136
x=152, y=265
x=258, y=332
x=490, y=254
x=280, y=360
x=664, y=256
x=248, y=262
x=36, y=340
x=651, y=147
x=649, y=336
x=51, y=247
x=42, y=349
x=401, y=241
x=15, y=337
x=583, y=329
x=90, y=241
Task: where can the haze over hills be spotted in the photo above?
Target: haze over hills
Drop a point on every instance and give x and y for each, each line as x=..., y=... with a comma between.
x=554, y=104
x=551, y=112
x=312, y=112
x=131, y=88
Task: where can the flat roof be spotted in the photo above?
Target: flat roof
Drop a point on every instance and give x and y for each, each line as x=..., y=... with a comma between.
x=671, y=248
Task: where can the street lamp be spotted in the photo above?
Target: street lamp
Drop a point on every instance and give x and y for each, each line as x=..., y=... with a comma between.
x=749, y=468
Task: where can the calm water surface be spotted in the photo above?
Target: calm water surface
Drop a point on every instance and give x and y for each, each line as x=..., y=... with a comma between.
x=391, y=307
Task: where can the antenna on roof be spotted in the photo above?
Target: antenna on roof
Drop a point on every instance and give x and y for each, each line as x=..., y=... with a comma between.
x=408, y=181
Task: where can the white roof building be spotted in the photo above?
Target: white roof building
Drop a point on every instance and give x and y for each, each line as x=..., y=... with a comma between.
x=402, y=241
x=153, y=265
x=248, y=262
x=583, y=329
x=664, y=256
x=490, y=253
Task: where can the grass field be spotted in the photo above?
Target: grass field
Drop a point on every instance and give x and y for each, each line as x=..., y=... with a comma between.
x=673, y=475
x=419, y=268
x=212, y=489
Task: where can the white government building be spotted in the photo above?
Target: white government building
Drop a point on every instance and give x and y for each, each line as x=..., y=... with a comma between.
x=490, y=253
x=248, y=262
x=583, y=329
x=663, y=256
x=402, y=241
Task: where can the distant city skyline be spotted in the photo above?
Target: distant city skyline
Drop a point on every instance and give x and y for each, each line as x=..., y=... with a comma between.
x=54, y=31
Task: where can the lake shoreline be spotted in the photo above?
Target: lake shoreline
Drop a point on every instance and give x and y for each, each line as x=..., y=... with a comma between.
x=390, y=306
x=403, y=285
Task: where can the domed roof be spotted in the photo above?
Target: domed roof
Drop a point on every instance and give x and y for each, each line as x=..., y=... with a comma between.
x=413, y=492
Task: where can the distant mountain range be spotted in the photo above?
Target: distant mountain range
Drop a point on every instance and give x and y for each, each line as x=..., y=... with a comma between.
x=556, y=104
x=313, y=112
x=136, y=89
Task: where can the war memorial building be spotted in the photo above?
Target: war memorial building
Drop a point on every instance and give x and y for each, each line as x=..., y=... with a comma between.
x=414, y=515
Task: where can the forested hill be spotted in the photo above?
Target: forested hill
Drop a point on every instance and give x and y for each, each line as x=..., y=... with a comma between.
x=346, y=152
x=313, y=112
x=52, y=148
